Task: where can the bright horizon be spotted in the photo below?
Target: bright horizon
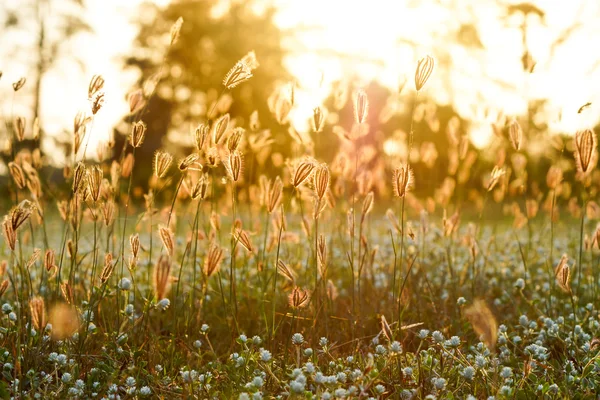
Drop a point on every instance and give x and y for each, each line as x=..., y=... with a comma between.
x=368, y=42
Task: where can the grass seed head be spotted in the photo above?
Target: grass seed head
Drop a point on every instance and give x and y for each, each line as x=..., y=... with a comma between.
x=275, y=195
x=94, y=179
x=240, y=73
x=299, y=298
x=212, y=262
x=19, y=84
x=37, y=307
x=162, y=277
x=188, y=161
x=586, y=151
x=167, y=239
x=515, y=134
x=285, y=271
x=234, y=139
x=303, y=171
x=134, y=242
x=16, y=172
x=176, y=30
x=3, y=287
x=201, y=136
x=361, y=107
x=402, y=180
x=162, y=162
x=138, y=133
x=108, y=268
x=562, y=273
x=423, y=72
x=19, y=127
x=96, y=85
x=318, y=120
x=321, y=180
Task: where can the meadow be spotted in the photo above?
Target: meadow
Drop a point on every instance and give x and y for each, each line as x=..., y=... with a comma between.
x=316, y=280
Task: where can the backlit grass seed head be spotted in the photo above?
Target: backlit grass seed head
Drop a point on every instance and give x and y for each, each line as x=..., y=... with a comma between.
x=212, y=261
x=586, y=152
x=94, y=179
x=250, y=60
x=37, y=307
x=322, y=254
x=235, y=139
x=97, y=102
x=234, y=165
x=167, y=239
x=67, y=291
x=79, y=177
x=321, y=180
x=201, y=136
x=188, y=162
x=108, y=268
x=9, y=233
x=385, y=329
x=318, y=120
x=367, y=205
x=497, y=173
x=200, y=189
x=515, y=134
x=134, y=242
x=127, y=165
x=3, y=287
x=554, y=177
x=244, y=240
x=212, y=157
x=96, y=85
x=219, y=128
x=19, y=84
x=136, y=101
x=596, y=239
x=483, y=321
x=162, y=162
x=138, y=133
x=240, y=73
x=275, y=195
x=108, y=212
x=285, y=271
x=175, y=30
x=423, y=72
x=16, y=172
x=402, y=180
x=20, y=214
x=49, y=260
x=361, y=107
x=562, y=273
x=19, y=127
x=34, y=257
x=79, y=125
x=299, y=298
x=303, y=171
x=161, y=277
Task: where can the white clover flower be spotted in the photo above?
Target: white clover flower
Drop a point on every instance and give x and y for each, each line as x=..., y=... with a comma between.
x=163, y=304
x=125, y=284
x=66, y=377
x=297, y=339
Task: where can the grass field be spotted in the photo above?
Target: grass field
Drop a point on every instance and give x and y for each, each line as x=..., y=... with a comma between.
x=312, y=282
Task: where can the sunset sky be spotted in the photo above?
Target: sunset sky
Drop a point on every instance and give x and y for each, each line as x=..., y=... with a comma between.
x=375, y=40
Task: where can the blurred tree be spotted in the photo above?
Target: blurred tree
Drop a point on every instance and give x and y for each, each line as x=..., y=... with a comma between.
x=211, y=41
x=48, y=25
